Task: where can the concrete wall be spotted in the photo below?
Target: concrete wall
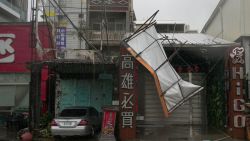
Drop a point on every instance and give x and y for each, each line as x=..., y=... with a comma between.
x=231, y=20
x=73, y=10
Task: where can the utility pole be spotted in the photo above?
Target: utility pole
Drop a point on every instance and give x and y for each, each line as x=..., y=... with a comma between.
x=35, y=76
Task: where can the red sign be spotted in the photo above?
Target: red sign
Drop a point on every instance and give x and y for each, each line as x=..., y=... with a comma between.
x=108, y=123
x=128, y=78
x=15, y=46
x=234, y=89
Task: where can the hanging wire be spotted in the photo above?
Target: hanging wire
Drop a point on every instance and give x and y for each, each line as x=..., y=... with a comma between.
x=176, y=53
x=71, y=22
x=107, y=26
x=51, y=38
x=148, y=23
x=80, y=33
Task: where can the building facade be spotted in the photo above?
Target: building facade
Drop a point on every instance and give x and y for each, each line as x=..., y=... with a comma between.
x=16, y=53
x=13, y=10
x=196, y=57
x=87, y=39
x=14, y=83
x=230, y=20
x=167, y=26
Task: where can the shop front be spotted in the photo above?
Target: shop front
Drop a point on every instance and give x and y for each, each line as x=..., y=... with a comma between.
x=15, y=52
x=199, y=62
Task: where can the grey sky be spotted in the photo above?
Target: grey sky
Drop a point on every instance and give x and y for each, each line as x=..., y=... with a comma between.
x=192, y=12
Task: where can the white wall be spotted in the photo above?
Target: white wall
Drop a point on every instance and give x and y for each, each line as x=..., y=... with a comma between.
x=73, y=8
x=231, y=21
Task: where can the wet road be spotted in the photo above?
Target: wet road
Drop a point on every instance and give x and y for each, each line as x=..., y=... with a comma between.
x=170, y=133
x=183, y=133
x=11, y=135
x=96, y=138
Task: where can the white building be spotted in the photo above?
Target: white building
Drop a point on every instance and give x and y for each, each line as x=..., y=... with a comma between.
x=168, y=26
x=231, y=21
x=67, y=39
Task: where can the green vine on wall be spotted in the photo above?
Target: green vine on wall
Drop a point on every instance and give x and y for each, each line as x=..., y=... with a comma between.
x=216, y=100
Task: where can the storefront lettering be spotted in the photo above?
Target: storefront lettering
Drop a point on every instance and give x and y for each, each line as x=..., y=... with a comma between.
x=238, y=73
x=127, y=103
x=127, y=62
x=6, y=50
x=237, y=77
x=127, y=86
x=239, y=105
x=127, y=81
x=239, y=121
x=127, y=119
x=238, y=88
x=237, y=55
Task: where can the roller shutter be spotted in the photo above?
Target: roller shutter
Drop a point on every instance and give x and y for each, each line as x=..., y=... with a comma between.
x=191, y=112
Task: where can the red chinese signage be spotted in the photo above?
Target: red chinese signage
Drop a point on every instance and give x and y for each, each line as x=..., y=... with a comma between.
x=128, y=78
x=15, y=46
x=108, y=122
x=235, y=90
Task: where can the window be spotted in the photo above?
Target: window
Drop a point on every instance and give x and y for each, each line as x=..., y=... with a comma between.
x=73, y=112
x=111, y=26
x=96, y=26
x=119, y=27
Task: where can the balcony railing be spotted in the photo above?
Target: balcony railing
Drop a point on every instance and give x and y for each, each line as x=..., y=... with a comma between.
x=112, y=35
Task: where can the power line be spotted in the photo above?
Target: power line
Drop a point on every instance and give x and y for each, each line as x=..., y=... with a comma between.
x=73, y=25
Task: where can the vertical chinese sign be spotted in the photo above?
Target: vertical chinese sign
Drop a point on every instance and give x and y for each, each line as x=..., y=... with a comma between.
x=61, y=37
x=128, y=78
x=61, y=41
x=234, y=89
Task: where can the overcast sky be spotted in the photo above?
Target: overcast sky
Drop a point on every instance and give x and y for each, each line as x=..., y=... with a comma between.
x=192, y=12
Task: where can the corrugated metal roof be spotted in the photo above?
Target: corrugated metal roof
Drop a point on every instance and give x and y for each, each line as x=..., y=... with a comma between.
x=195, y=39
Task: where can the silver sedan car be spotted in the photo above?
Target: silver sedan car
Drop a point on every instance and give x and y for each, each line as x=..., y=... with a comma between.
x=76, y=121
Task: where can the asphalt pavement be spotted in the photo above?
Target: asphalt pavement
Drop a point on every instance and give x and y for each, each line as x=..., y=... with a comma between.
x=170, y=133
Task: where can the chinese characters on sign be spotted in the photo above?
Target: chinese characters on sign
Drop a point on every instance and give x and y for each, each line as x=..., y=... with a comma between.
x=127, y=84
x=127, y=119
x=127, y=81
x=7, y=52
x=128, y=88
x=108, y=123
x=234, y=89
x=61, y=37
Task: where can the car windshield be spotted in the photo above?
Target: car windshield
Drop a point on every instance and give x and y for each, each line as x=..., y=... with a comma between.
x=73, y=112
